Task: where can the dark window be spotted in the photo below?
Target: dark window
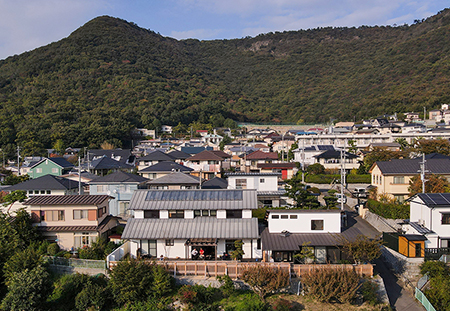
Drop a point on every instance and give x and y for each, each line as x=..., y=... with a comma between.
x=258, y=244
x=205, y=213
x=169, y=242
x=197, y=213
x=446, y=219
x=275, y=216
x=151, y=214
x=317, y=224
x=234, y=213
x=176, y=214
x=213, y=213
x=284, y=216
x=293, y=216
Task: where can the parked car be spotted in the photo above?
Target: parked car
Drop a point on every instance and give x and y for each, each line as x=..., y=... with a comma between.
x=360, y=193
x=340, y=198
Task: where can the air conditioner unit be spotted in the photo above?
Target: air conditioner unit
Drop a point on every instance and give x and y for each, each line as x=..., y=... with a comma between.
x=421, y=222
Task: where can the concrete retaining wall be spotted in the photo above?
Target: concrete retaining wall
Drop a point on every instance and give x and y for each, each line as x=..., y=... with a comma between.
x=380, y=223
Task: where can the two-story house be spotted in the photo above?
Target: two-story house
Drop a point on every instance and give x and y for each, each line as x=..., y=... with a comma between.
x=50, y=166
x=162, y=169
x=392, y=177
x=209, y=163
x=72, y=221
x=175, y=181
x=266, y=185
x=258, y=157
x=173, y=223
x=119, y=185
x=153, y=158
x=333, y=160
x=291, y=229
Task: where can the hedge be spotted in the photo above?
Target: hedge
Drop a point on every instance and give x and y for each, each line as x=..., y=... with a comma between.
x=329, y=178
x=388, y=210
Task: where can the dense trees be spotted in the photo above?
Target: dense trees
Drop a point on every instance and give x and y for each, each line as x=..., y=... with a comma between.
x=110, y=76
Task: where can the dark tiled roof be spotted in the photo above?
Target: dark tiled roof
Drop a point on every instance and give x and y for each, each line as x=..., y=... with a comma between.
x=434, y=199
x=414, y=237
x=419, y=228
x=207, y=155
x=252, y=174
x=46, y=182
x=67, y=199
x=412, y=166
x=106, y=163
x=119, y=177
x=58, y=161
x=123, y=153
x=157, y=156
x=194, y=150
x=260, y=155
x=293, y=242
x=179, y=155
x=66, y=228
x=215, y=183
x=166, y=166
x=335, y=154
x=287, y=165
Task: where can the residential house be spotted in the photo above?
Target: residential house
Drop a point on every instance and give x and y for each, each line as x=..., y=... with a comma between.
x=209, y=163
x=46, y=185
x=179, y=156
x=124, y=156
x=172, y=223
x=167, y=129
x=194, y=150
x=120, y=186
x=104, y=165
x=290, y=230
x=428, y=226
x=392, y=177
x=212, y=139
x=412, y=116
x=153, y=158
x=266, y=185
x=253, y=159
x=73, y=221
x=52, y=166
x=333, y=160
x=215, y=183
x=287, y=169
x=86, y=177
x=306, y=155
x=435, y=115
x=175, y=181
x=162, y=169
x=414, y=128
x=394, y=146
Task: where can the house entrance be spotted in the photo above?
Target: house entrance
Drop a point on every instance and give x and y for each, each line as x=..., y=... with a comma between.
x=203, y=249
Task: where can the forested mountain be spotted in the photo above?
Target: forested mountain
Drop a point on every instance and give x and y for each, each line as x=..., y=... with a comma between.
x=110, y=76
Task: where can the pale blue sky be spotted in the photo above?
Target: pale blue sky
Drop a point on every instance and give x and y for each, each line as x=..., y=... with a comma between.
x=28, y=24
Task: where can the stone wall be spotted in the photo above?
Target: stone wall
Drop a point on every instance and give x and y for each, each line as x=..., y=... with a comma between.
x=380, y=223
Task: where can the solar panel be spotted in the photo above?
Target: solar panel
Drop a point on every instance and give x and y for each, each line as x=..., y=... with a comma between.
x=192, y=195
x=435, y=199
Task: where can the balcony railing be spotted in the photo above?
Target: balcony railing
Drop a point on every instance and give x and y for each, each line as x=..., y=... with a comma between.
x=436, y=253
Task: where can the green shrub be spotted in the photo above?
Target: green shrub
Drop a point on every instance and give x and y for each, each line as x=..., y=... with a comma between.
x=53, y=249
x=434, y=268
x=314, y=190
x=66, y=289
x=388, y=210
x=98, y=250
x=369, y=292
x=329, y=178
x=328, y=285
x=227, y=285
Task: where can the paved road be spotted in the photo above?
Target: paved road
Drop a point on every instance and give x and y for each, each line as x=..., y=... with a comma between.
x=399, y=297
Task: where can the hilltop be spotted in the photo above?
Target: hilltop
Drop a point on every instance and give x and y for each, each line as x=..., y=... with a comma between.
x=110, y=75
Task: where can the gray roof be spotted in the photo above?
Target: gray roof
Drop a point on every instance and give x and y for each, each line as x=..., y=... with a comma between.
x=175, y=179
x=199, y=227
x=157, y=156
x=119, y=177
x=166, y=166
x=434, y=199
x=334, y=154
x=67, y=199
x=46, y=182
x=123, y=153
x=195, y=199
x=58, y=161
x=271, y=193
x=412, y=166
x=293, y=241
x=106, y=163
x=215, y=183
x=419, y=228
x=180, y=155
x=252, y=174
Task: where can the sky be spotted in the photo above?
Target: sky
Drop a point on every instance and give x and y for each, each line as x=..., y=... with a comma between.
x=29, y=24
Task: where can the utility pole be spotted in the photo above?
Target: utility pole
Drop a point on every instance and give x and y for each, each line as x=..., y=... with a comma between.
x=342, y=177
x=423, y=171
x=79, y=175
x=18, y=160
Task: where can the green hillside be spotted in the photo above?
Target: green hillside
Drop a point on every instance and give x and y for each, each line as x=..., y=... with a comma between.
x=110, y=76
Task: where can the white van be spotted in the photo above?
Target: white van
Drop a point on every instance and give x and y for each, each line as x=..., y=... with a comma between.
x=360, y=193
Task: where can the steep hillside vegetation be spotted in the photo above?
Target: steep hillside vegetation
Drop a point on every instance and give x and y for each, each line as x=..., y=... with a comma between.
x=110, y=76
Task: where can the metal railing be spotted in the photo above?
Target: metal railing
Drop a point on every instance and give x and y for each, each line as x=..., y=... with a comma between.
x=424, y=300
x=76, y=263
x=436, y=253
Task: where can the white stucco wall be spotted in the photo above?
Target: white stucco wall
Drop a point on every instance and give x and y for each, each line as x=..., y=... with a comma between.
x=331, y=221
x=270, y=183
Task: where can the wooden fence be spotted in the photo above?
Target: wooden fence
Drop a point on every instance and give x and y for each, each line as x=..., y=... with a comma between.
x=235, y=268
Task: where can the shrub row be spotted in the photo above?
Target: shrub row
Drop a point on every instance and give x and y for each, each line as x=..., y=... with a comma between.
x=388, y=210
x=328, y=179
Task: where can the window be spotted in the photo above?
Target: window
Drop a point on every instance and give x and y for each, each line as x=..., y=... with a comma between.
x=36, y=191
x=49, y=192
x=170, y=242
x=123, y=207
x=234, y=213
x=84, y=239
x=152, y=248
x=400, y=198
x=275, y=216
x=80, y=214
x=293, y=216
x=42, y=191
x=284, y=216
x=262, y=180
x=54, y=215
x=446, y=219
x=38, y=170
x=102, y=188
x=399, y=179
x=317, y=224
x=176, y=214
x=205, y=213
x=30, y=192
x=241, y=183
x=258, y=244
x=54, y=170
x=151, y=214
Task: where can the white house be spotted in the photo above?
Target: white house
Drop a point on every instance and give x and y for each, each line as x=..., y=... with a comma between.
x=430, y=217
x=173, y=223
x=289, y=230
